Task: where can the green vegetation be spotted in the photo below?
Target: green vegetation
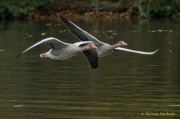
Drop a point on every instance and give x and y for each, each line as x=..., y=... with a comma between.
x=21, y=9
x=15, y=9
x=157, y=8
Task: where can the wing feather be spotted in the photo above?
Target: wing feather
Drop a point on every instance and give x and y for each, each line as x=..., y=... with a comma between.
x=78, y=32
x=91, y=54
x=137, y=51
x=54, y=43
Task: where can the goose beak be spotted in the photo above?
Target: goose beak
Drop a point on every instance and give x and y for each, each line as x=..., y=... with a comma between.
x=43, y=56
x=93, y=46
x=124, y=43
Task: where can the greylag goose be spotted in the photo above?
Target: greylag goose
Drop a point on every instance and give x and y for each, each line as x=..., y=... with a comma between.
x=103, y=48
x=62, y=51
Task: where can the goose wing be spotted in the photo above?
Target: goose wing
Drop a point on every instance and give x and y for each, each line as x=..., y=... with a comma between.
x=78, y=32
x=54, y=43
x=92, y=54
x=136, y=51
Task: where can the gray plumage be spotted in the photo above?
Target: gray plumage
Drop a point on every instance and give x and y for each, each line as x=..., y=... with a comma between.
x=103, y=48
x=62, y=51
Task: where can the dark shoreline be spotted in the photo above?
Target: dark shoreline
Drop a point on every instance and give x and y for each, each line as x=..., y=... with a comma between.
x=123, y=10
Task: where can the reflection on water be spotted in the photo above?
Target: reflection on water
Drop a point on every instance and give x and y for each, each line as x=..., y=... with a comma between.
x=126, y=85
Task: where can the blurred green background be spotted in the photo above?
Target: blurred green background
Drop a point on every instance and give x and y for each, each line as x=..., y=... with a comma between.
x=116, y=9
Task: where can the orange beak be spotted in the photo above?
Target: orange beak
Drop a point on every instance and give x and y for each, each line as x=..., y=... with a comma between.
x=93, y=46
x=43, y=56
x=124, y=43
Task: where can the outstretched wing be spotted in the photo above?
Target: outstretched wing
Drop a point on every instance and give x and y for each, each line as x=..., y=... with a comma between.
x=80, y=33
x=91, y=54
x=54, y=43
x=136, y=51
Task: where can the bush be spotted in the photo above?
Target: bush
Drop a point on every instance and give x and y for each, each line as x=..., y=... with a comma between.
x=20, y=9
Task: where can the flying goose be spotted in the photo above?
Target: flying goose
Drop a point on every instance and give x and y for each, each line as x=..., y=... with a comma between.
x=103, y=48
x=62, y=51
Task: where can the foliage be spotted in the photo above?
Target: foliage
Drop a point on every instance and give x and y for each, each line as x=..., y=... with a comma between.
x=158, y=8
x=23, y=8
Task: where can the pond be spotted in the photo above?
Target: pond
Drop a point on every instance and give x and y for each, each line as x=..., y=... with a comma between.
x=125, y=85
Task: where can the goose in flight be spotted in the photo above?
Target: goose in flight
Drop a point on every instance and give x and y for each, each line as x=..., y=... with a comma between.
x=62, y=51
x=103, y=48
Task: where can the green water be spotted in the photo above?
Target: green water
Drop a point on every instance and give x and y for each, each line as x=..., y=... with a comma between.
x=125, y=86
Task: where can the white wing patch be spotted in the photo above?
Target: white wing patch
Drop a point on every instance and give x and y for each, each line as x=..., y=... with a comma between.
x=43, y=41
x=83, y=42
x=137, y=51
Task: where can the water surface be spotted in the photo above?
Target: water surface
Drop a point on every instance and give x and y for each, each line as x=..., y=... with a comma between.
x=125, y=85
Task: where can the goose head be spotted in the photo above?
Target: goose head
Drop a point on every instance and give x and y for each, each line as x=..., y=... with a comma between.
x=122, y=44
x=119, y=44
x=44, y=55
